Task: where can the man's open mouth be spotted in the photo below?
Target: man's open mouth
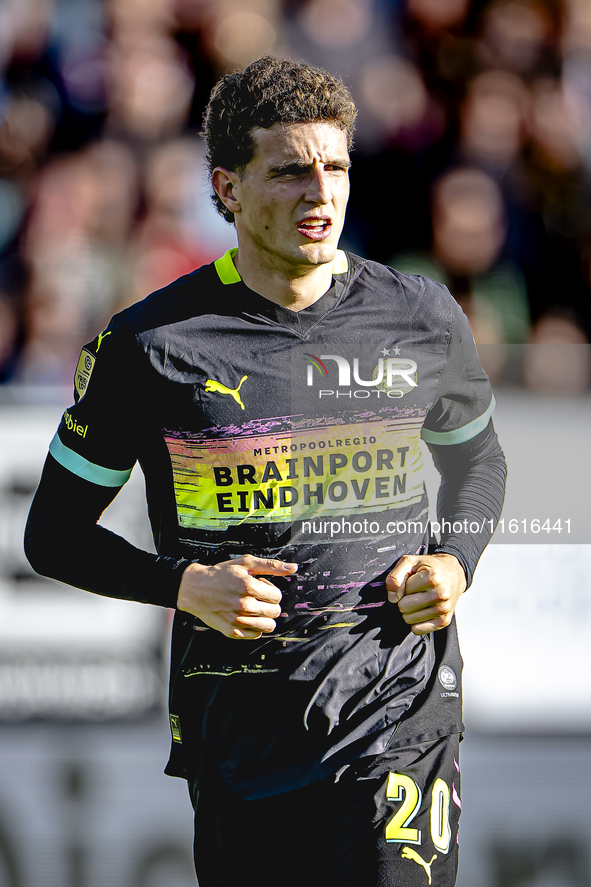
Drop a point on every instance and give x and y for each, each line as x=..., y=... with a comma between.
x=315, y=229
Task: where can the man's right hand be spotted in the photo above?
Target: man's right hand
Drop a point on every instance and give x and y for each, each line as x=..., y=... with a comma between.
x=230, y=598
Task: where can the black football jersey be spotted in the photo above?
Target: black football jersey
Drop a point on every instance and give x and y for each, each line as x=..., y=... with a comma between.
x=293, y=435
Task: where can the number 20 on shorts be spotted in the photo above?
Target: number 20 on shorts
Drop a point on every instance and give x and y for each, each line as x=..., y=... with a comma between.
x=402, y=788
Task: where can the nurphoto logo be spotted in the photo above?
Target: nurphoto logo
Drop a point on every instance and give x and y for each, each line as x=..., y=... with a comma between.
x=393, y=376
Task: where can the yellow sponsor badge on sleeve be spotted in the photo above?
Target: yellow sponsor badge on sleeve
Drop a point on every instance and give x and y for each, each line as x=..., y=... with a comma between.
x=84, y=369
x=175, y=726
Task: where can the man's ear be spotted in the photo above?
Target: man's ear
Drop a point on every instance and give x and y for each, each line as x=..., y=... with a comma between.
x=223, y=181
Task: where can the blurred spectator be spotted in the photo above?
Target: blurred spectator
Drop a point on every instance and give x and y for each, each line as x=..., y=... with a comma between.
x=577, y=69
x=29, y=118
x=469, y=229
x=494, y=120
x=167, y=243
x=559, y=192
x=521, y=35
x=557, y=359
x=439, y=38
x=494, y=133
x=556, y=128
x=150, y=87
x=75, y=243
x=337, y=24
x=395, y=96
x=239, y=31
x=115, y=173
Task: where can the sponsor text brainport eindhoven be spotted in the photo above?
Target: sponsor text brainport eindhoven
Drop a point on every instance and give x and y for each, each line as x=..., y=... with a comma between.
x=316, y=466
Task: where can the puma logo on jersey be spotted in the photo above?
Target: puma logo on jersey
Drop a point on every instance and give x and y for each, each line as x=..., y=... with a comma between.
x=215, y=387
x=409, y=853
x=102, y=336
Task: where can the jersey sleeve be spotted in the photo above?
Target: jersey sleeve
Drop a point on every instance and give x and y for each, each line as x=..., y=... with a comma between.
x=97, y=436
x=464, y=402
x=91, y=457
x=470, y=496
x=459, y=432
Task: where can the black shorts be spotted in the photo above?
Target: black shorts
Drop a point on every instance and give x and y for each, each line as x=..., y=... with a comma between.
x=389, y=821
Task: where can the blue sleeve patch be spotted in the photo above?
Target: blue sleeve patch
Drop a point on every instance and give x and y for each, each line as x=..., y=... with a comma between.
x=460, y=435
x=96, y=474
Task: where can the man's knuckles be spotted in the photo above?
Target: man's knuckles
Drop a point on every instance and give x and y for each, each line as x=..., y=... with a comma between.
x=251, y=606
x=255, y=623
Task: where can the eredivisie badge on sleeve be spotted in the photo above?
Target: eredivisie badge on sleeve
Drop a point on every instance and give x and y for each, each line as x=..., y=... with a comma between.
x=83, y=372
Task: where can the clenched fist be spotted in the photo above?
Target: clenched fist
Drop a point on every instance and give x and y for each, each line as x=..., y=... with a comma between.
x=231, y=598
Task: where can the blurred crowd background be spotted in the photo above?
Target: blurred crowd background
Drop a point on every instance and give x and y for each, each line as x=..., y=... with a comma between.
x=472, y=162
x=472, y=165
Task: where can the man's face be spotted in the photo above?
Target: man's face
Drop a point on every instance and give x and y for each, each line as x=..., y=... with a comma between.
x=293, y=195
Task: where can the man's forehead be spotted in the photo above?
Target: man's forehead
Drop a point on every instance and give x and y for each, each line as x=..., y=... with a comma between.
x=300, y=141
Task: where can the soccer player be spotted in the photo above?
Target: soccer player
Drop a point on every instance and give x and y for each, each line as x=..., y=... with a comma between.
x=275, y=401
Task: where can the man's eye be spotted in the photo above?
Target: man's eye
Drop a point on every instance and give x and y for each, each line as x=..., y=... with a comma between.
x=291, y=171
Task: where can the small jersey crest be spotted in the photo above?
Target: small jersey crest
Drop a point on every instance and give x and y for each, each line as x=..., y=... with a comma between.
x=447, y=678
x=84, y=369
x=175, y=728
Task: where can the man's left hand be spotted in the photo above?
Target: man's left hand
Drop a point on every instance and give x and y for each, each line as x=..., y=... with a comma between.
x=426, y=588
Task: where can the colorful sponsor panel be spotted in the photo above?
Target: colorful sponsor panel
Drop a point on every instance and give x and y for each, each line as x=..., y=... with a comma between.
x=322, y=471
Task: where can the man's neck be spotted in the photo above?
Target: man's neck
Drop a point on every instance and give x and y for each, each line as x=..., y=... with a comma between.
x=295, y=293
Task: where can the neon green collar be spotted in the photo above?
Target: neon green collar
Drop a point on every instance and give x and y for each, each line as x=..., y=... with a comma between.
x=227, y=272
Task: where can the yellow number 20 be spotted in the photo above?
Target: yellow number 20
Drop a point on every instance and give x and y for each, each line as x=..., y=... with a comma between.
x=440, y=827
x=402, y=788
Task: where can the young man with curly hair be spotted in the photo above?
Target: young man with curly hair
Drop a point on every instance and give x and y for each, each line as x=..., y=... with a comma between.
x=278, y=400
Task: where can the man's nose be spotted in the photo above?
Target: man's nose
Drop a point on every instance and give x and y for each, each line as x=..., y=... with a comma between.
x=319, y=190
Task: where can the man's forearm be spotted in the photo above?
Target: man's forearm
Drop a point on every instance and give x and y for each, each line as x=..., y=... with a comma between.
x=470, y=497
x=63, y=541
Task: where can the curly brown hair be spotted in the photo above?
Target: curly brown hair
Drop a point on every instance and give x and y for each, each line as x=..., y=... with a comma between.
x=270, y=90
